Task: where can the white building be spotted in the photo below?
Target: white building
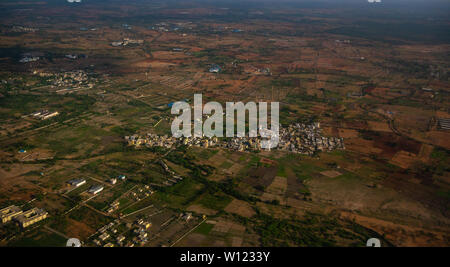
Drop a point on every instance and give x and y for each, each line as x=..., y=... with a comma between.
x=96, y=189
x=76, y=182
x=104, y=236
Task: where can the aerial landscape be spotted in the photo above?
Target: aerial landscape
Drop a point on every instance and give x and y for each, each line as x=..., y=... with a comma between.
x=87, y=90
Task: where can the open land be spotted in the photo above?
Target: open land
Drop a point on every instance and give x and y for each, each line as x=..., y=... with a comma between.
x=382, y=87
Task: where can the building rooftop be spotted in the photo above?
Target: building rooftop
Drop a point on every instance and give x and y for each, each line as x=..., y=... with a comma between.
x=31, y=216
x=215, y=68
x=95, y=189
x=6, y=214
x=77, y=181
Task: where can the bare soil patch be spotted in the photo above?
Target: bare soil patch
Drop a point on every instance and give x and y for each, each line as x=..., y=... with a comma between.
x=401, y=235
x=378, y=126
x=223, y=226
x=261, y=176
x=240, y=207
x=404, y=159
x=331, y=173
x=201, y=210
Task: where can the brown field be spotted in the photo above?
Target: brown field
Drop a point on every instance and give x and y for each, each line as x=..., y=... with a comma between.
x=78, y=229
x=331, y=174
x=404, y=159
x=262, y=176
x=348, y=133
x=223, y=226
x=382, y=93
x=153, y=64
x=401, y=235
x=439, y=138
x=240, y=207
x=201, y=210
x=379, y=126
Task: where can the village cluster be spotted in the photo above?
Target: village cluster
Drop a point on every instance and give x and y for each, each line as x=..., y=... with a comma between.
x=22, y=29
x=128, y=234
x=29, y=58
x=127, y=41
x=299, y=138
x=109, y=236
x=168, y=27
x=77, y=78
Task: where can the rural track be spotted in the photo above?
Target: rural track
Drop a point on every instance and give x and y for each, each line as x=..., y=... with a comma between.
x=56, y=232
x=190, y=231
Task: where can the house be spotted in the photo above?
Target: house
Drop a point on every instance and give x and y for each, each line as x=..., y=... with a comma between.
x=120, y=238
x=70, y=56
x=142, y=235
x=28, y=59
x=104, y=236
x=122, y=177
x=186, y=216
x=146, y=225
x=113, y=181
x=444, y=123
x=126, y=26
x=95, y=189
x=44, y=114
x=115, y=44
x=127, y=41
x=215, y=68
x=76, y=182
x=49, y=115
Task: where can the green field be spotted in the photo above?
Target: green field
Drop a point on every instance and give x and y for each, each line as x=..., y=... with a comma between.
x=39, y=239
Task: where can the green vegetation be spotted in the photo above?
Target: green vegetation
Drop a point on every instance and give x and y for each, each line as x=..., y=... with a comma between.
x=314, y=230
x=204, y=228
x=444, y=194
x=393, y=32
x=143, y=203
x=226, y=164
x=89, y=217
x=215, y=202
x=39, y=239
x=180, y=194
x=315, y=78
x=281, y=170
